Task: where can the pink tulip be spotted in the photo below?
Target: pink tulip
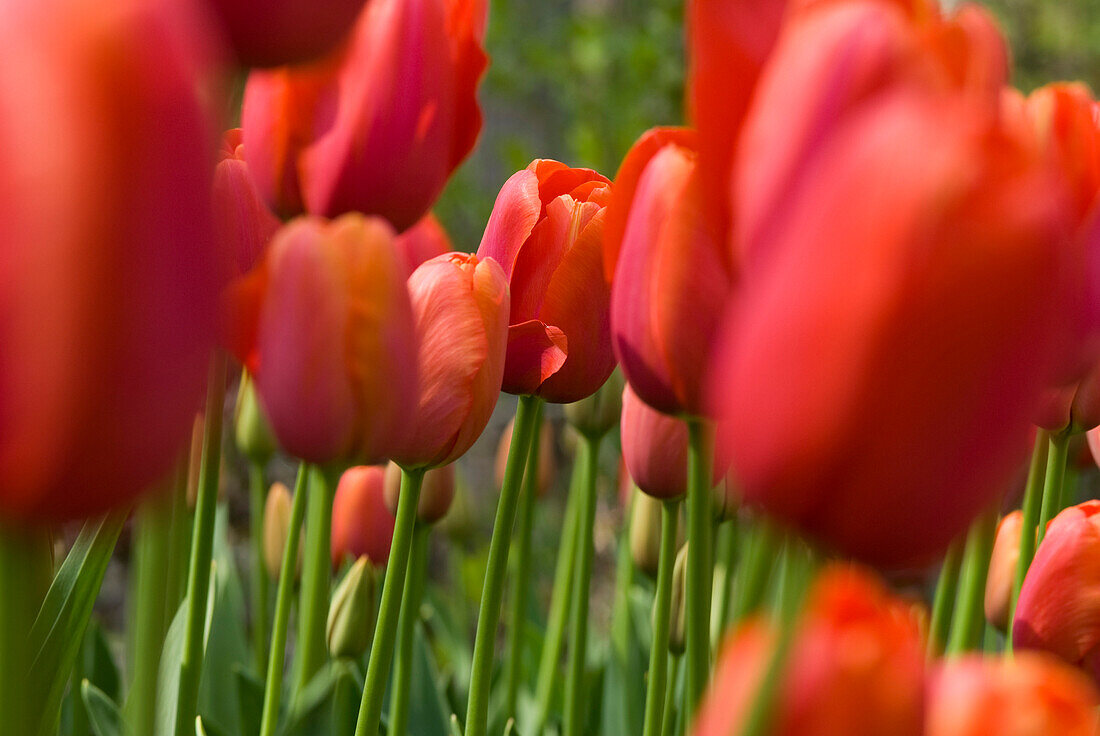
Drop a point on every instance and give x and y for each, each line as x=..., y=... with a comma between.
x=273, y=32
x=361, y=522
x=242, y=220
x=423, y=241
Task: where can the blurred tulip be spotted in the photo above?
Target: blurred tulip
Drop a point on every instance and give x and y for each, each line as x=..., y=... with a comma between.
x=436, y=492
x=361, y=522
x=277, y=528
x=253, y=431
x=645, y=532
x=273, y=32
x=667, y=256
x=325, y=326
x=109, y=283
x=351, y=616
x=546, y=231
x=378, y=125
x=548, y=466
x=423, y=241
x=243, y=223
x=194, y=464
x=1002, y=570
x=1025, y=695
x=1059, y=605
x=677, y=624
x=856, y=666
x=460, y=303
x=598, y=414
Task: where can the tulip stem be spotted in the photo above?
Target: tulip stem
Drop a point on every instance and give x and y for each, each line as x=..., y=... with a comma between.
x=700, y=571
x=179, y=541
x=313, y=600
x=202, y=549
x=25, y=572
x=477, y=709
x=662, y=599
x=943, y=604
x=1058, y=447
x=726, y=551
x=560, y=597
x=1033, y=498
x=760, y=554
x=969, y=620
x=393, y=589
x=283, y=596
x=668, y=712
x=406, y=629
x=513, y=665
x=256, y=497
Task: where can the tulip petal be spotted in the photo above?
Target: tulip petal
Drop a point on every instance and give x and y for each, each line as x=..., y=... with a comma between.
x=540, y=349
x=515, y=213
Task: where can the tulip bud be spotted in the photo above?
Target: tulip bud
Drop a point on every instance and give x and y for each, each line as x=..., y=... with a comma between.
x=437, y=491
x=725, y=500
x=677, y=622
x=548, y=469
x=645, y=532
x=277, y=529
x=254, y=437
x=596, y=415
x=1002, y=570
x=362, y=525
x=194, y=467
x=350, y=626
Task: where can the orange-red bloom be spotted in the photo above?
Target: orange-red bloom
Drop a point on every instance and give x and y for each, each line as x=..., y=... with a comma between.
x=361, y=522
x=546, y=232
x=1026, y=695
x=1002, y=569
x=423, y=241
x=273, y=32
x=461, y=307
x=856, y=666
x=378, y=125
x=326, y=327
x=242, y=220
x=108, y=266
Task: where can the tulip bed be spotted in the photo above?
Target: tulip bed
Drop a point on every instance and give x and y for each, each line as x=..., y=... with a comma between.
x=810, y=337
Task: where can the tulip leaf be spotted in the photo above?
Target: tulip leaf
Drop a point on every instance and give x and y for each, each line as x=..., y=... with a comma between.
x=103, y=715
x=168, y=677
x=429, y=716
x=250, y=700
x=456, y=728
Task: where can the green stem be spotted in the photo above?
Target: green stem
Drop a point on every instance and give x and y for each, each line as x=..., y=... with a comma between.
x=761, y=553
x=944, y=602
x=513, y=665
x=969, y=620
x=179, y=544
x=699, y=574
x=726, y=552
x=1033, y=498
x=1052, y=486
x=406, y=628
x=256, y=498
x=313, y=599
x=560, y=597
x=273, y=690
x=477, y=709
x=80, y=712
x=25, y=571
x=668, y=712
x=658, y=653
x=202, y=548
x=393, y=588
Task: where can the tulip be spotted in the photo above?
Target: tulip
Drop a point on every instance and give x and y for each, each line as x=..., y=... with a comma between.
x=423, y=241
x=545, y=231
x=548, y=470
x=361, y=522
x=277, y=529
x=645, y=532
x=461, y=307
x=194, y=465
x=855, y=666
x=109, y=283
x=1059, y=609
x=437, y=491
x=326, y=328
x=276, y=32
x=1027, y=694
x=253, y=431
x=599, y=413
x=677, y=630
x=667, y=255
x=243, y=223
x=350, y=624
x=378, y=125
x=1002, y=570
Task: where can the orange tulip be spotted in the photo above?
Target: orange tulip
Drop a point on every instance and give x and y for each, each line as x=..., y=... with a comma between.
x=436, y=493
x=108, y=282
x=243, y=222
x=361, y=522
x=378, y=125
x=546, y=232
x=273, y=32
x=326, y=328
x=1002, y=569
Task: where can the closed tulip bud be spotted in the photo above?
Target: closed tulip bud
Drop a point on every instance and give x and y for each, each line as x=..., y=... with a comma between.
x=546, y=232
x=645, y=532
x=461, y=307
x=548, y=467
x=1023, y=695
x=326, y=328
x=437, y=491
x=677, y=622
x=1058, y=609
x=275, y=32
x=253, y=431
x=362, y=524
x=194, y=464
x=423, y=241
x=855, y=666
x=724, y=499
x=378, y=125
x=277, y=529
x=351, y=615
x=1002, y=570
x=598, y=414
x=243, y=223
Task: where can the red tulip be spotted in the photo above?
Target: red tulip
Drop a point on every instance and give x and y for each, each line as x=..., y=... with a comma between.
x=108, y=283
x=1026, y=695
x=327, y=330
x=379, y=125
x=1002, y=569
x=673, y=272
x=424, y=241
x=242, y=220
x=546, y=231
x=361, y=522
x=856, y=666
x=1059, y=605
x=273, y=32
x=436, y=493
x=461, y=307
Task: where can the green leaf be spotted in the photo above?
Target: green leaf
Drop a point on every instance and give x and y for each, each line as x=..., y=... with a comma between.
x=199, y=730
x=456, y=728
x=103, y=715
x=168, y=678
x=250, y=700
x=428, y=710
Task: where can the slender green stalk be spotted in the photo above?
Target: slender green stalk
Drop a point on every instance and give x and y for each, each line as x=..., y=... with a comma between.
x=621, y=624
x=668, y=711
x=560, y=597
x=273, y=690
x=699, y=575
x=256, y=498
x=658, y=653
x=393, y=588
x=179, y=543
x=25, y=571
x=762, y=551
x=726, y=552
x=202, y=548
x=1033, y=498
x=80, y=712
x=1052, y=486
x=406, y=628
x=316, y=579
x=969, y=621
x=477, y=709
x=944, y=602
x=513, y=665
x=578, y=620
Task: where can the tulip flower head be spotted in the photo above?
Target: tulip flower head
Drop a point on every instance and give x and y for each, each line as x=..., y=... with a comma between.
x=361, y=522
x=277, y=528
x=1002, y=570
x=243, y=222
x=423, y=241
x=274, y=32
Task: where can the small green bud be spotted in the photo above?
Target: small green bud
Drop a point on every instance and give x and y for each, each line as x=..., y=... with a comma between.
x=598, y=414
x=677, y=623
x=351, y=615
x=254, y=437
x=645, y=532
